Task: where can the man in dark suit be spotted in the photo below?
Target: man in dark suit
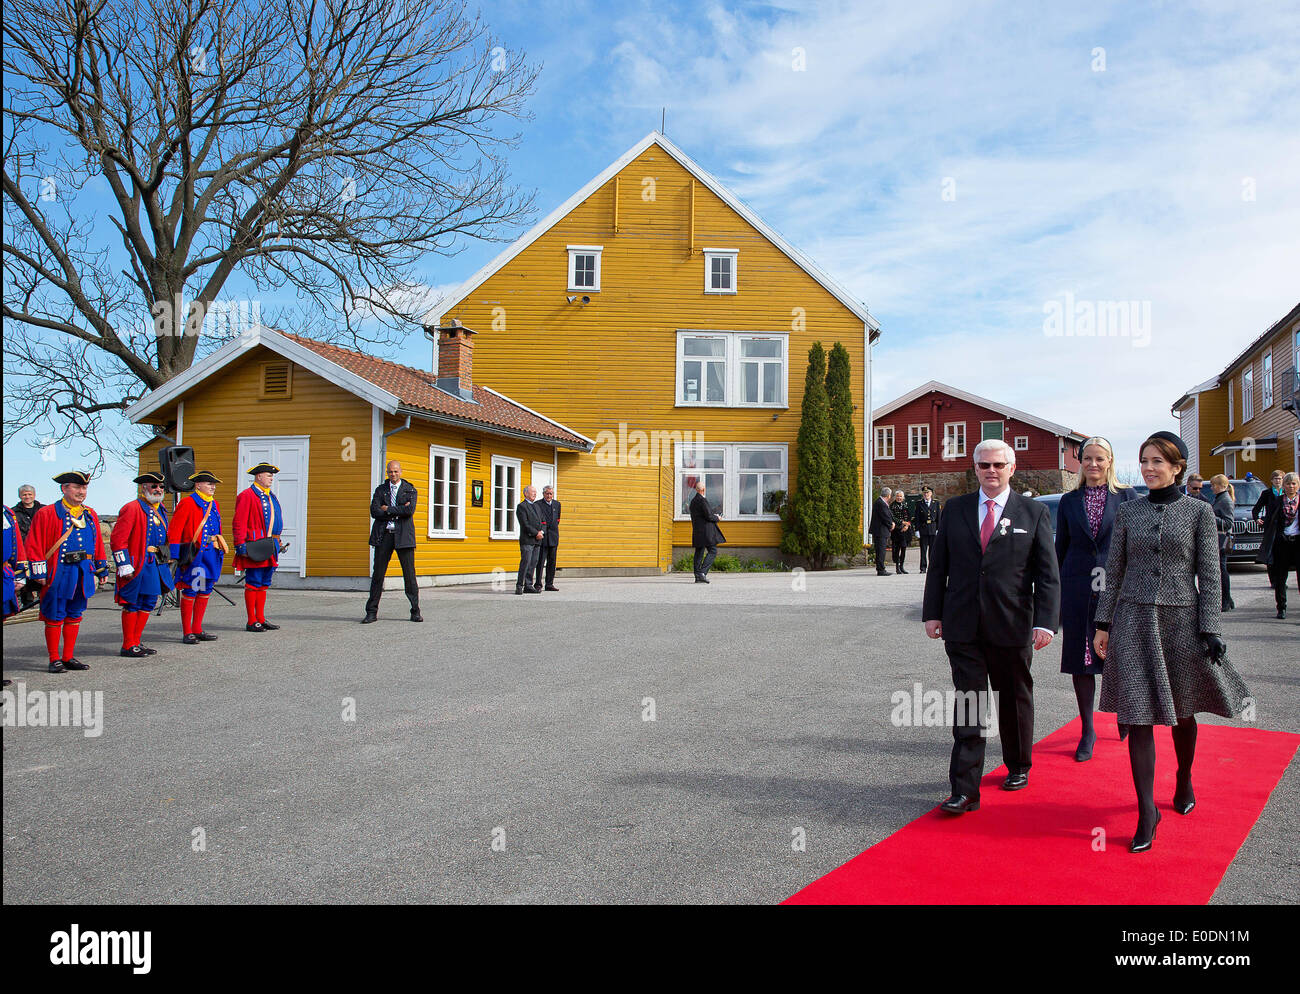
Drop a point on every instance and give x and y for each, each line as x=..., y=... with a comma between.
x=393, y=530
x=925, y=519
x=881, y=524
x=706, y=536
x=549, y=508
x=993, y=594
x=532, y=533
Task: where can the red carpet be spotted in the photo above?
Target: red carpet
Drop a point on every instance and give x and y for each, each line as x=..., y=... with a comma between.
x=1036, y=846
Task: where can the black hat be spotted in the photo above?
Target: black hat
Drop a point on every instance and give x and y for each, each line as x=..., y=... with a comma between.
x=927, y=487
x=1169, y=436
x=149, y=478
x=263, y=467
x=203, y=476
x=73, y=476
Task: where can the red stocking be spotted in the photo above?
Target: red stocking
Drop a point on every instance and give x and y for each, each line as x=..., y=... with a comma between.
x=141, y=619
x=200, y=606
x=261, y=604
x=187, y=614
x=128, y=629
x=250, y=603
x=53, y=629
x=70, y=629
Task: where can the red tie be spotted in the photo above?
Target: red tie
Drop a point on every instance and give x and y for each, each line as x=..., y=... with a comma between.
x=986, y=529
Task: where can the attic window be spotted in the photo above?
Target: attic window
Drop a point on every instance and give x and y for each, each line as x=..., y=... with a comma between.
x=720, y=270
x=277, y=381
x=584, y=267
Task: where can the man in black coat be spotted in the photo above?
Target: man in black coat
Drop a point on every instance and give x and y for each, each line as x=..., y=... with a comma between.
x=706, y=536
x=881, y=524
x=532, y=533
x=549, y=508
x=27, y=506
x=993, y=594
x=393, y=530
x=925, y=519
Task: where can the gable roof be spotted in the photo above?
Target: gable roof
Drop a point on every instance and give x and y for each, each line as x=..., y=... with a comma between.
x=389, y=386
x=439, y=310
x=934, y=386
x=1210, y=384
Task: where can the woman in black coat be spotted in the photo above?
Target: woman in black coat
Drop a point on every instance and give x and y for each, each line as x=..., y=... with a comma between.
x=1224, y=507
x=1083, y=524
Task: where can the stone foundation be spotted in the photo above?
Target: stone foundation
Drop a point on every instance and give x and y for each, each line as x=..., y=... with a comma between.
x=947, y=485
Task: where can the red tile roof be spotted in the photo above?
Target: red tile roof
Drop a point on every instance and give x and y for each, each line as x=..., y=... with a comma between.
x=415, y=389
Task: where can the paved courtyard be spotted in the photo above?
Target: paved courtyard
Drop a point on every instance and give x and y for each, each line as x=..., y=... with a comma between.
x=522, y=721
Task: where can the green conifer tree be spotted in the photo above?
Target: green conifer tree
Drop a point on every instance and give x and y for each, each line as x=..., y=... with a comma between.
x=845, y=472
x=807, y=518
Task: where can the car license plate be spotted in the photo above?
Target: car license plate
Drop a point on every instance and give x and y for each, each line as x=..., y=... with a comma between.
x=1247, y=545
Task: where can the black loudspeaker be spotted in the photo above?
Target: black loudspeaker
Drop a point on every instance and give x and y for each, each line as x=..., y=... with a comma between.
x=177, y=465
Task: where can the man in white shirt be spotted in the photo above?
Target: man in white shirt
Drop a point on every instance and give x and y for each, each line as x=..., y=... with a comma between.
x=993, y=594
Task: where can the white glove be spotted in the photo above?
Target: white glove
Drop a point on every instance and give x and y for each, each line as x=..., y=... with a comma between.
x=125, y=571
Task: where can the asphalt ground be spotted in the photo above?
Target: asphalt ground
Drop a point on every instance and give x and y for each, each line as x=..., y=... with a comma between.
x=228, y=772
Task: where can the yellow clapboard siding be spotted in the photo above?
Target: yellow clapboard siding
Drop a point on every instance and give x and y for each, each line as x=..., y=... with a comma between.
x=610, y=513
x=612, y=362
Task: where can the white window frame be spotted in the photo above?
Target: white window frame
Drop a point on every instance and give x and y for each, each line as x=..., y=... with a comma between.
x=732, y=367
x=1230, y=405
x=884, y=428
x=512, y=522
x=948, y=433
x=913, y=451
x=1018, y=446
x=459, y=456
x=731, y=473
x=1247, y=394
x=1267, y=375
x=574, y=252
x=720, y=253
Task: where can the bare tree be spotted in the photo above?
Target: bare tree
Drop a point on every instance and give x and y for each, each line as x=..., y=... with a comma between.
x=160, y=152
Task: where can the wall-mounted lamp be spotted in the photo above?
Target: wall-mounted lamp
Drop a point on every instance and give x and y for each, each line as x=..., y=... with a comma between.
x=584, y=299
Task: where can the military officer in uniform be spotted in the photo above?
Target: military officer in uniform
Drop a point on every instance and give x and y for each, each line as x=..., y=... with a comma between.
x=199, y=549
x=66, y=550
x=139, y=544
x=257, y=526
x=925, y=519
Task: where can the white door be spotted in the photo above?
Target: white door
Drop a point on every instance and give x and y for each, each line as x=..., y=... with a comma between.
x=543, y=476
x=289, y=452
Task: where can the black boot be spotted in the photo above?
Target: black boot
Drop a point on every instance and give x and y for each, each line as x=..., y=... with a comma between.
x=1185, y=749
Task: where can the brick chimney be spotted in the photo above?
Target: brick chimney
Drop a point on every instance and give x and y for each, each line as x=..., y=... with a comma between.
x=456, y=360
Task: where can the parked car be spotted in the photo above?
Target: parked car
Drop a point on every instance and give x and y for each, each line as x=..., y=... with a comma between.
x=1053, y=502
x=1245, y=532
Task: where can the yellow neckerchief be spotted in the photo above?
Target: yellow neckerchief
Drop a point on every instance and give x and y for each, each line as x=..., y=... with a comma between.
x=73, y=509
x=202, y=499
x=265, y=490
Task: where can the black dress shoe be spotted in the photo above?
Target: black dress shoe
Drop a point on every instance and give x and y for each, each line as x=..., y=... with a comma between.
x=704, y=579
x=256, y=626
x=190, y=639
x=148, y=651
x=1016, y=781
x=416, y=616
x=532, y=590
x=370, y=619
x=902, y=569
x=1281, y=613
x=268, y=627
x=1140, y=844
x=135, y=652
x=959, y=804
x=205, y=637
x=519, y=590
x=56, y=666
x=74, y=664
x=552, y=587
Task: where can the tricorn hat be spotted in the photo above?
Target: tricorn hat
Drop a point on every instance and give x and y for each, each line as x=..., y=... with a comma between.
x=149, y=478
x=204, y=476
x=73, y=476
x=1169, y=436
x=263, y=467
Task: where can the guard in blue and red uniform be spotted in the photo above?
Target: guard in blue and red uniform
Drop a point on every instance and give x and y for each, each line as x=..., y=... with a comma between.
x=199, y=551
x=258, y=516
x=15, y=564
x=65, y=549
x=139, y=544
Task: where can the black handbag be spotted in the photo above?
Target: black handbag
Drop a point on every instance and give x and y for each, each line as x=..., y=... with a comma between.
x=260, y=550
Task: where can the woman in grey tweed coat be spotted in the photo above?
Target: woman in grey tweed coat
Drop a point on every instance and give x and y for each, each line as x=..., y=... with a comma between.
x=1158, y=627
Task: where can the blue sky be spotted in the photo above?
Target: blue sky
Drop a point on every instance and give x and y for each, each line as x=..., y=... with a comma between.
x=957, y=166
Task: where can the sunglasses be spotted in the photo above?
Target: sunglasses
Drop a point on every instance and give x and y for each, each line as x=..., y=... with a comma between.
x=987, y=465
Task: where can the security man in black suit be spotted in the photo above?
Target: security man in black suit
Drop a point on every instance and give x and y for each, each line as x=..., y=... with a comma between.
x=881, y=524
x=706, y=536
x=549, y=508
x=532, y=533
x=993, y=594
x=925, y=519
x=393, y=508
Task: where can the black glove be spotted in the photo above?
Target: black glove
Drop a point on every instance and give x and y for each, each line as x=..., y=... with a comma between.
x=1215, y=646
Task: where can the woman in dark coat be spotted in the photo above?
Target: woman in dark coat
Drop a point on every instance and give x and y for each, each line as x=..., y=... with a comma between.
x=1279, y=547
x=1083, y=524
x=1224, y=507
x=1158, y=627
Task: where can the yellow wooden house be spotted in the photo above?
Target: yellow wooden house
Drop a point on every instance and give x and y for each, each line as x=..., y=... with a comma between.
x=330, y=418
x=657, y=315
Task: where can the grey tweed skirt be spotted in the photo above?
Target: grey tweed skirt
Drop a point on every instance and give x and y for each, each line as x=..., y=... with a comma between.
x=1157, y=670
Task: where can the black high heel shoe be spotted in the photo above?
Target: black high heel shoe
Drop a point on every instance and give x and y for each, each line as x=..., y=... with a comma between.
x=1184, y=807
x=1140, y=845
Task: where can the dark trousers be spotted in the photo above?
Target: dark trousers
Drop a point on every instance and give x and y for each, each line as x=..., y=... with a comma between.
x=546, y=564
x=527, y=564
x=976, y=665
x=901, y=541
x=880, y=542
x=1286, y=560
x=704, y=556
x=1225, y=584
x=383, y=555
x=925, y=542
